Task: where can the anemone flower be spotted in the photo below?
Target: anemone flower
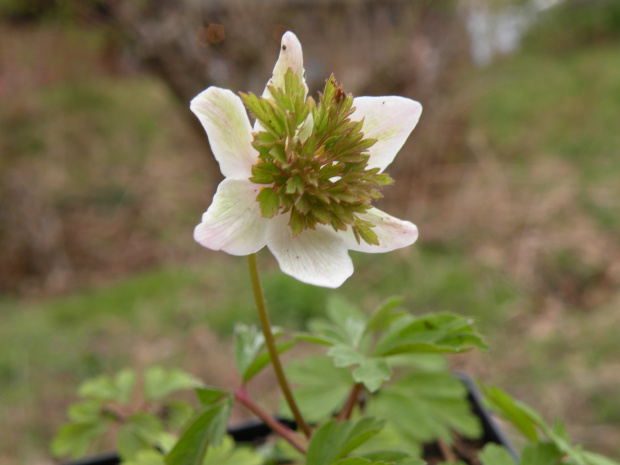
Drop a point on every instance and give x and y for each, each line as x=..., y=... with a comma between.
x=316, y=253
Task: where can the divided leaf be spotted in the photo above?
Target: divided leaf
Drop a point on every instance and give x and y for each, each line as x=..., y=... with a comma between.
x=372, y=373
x=140, y=431
x=228, y=454
x=103, y=388
x=146, y=457
x=334, y=440
x=426, y=406
x=204, y=430
x=542, y=453
x=385, y=315
x=210, y=395
x=492, y=454
x=251, y=354
x=74, y=439
x=322, y=388
x=159, y=383
x=511, y=411
x=530, y=423
x=433, y=333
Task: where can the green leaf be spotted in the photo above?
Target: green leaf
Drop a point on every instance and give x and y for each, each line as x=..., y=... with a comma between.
x=327, y=332
x=177, y=413
x=434, y=333
x=529, y=422
x=159, y=383
x=315, y=339
x=74, y=439
x=166, y=442
x=345, y=356
x=426, y=406
x=140, y=431
x=344, y=328
x=347, y=317
x=354, y=461
x=205, y=429
x=88, y=411
x=411, y=461
x=227, y=454
x=358, y=433
x=595, y=459
x=511, y=411
x=146, y=457
x=340, y=310
x=210, y=395
x=103, y=388
x=542, y=453
x=372, y=372
x=322, y=389
x=386, y=456
x=385, y=315
x=493, y=454
x=248, y=340
x=124, y=381
x=251, y=355
x=264, y=359
x=334, y=440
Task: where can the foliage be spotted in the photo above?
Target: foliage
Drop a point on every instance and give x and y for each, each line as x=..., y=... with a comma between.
x=140, y=412
x=386, y=353
x=548, y=445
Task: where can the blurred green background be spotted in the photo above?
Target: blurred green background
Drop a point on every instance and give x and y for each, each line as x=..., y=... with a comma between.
x=512, y=177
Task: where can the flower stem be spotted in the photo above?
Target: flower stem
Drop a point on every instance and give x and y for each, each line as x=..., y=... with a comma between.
x=352, y=401
x=270, y=342
x=271, y=422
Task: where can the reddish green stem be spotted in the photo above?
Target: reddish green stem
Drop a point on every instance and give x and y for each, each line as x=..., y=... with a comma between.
x=352, y=401
x=277, y=427
x=270, y=342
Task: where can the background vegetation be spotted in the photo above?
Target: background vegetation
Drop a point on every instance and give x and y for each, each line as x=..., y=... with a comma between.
x=511, y=176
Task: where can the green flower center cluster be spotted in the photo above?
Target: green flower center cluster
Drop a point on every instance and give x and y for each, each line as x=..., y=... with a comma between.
x=313, y=160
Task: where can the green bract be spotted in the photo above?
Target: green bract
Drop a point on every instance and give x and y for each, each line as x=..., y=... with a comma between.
x=313, y=159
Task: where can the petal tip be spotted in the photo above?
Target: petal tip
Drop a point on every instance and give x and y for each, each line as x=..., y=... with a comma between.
x=290, y=43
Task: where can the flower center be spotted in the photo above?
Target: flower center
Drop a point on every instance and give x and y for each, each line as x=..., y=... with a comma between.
x=313, y=160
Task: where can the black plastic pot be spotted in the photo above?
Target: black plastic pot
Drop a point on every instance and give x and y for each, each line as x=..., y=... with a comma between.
x=256, y=431
x=491, y=432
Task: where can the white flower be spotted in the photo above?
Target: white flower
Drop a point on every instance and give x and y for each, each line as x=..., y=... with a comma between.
x=233, y=223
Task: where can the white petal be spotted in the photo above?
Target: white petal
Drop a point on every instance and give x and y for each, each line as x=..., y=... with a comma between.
x=233, y=223
x=392, y=233
x=223, y=116
x=291, y=56
x=388, y=119
x=318, y=257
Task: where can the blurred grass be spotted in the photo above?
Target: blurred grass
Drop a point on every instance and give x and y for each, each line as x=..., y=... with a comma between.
x=566, y=108
x=169, y=301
